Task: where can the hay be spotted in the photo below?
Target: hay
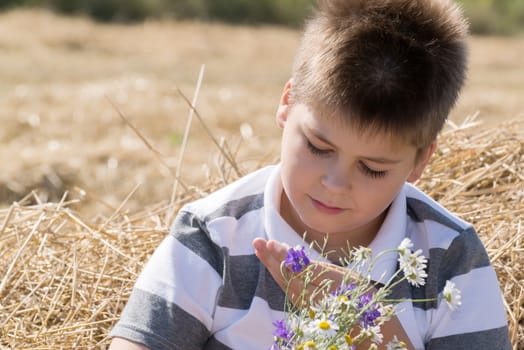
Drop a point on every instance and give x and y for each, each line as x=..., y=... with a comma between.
x=479, y=175
x=65, y=279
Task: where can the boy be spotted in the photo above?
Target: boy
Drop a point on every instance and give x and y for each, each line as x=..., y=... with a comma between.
x=371, y=87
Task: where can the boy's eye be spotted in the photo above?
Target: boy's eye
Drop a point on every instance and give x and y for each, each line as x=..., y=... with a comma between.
x=315, y=150
x=375, y=174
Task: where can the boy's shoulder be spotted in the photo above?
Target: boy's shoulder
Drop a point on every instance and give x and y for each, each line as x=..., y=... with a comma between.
x=422, y=208
x=434, y=227
x=243, y=190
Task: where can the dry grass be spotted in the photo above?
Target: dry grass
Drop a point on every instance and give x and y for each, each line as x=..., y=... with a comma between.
x=67, y=263
x=479, y=175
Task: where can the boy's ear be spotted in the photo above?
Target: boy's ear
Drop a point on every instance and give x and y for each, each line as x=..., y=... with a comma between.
x=283, y=107
x=422, y=162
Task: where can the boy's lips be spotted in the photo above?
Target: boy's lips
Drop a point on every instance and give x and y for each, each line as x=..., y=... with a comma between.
x=324, y=208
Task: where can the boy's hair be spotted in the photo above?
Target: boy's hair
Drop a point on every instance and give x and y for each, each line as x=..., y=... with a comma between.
x=386, y=65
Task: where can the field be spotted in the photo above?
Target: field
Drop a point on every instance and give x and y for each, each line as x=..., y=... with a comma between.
x=95, y=116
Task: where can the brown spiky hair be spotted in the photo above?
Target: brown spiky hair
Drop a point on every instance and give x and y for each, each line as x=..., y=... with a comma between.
x=395, y=66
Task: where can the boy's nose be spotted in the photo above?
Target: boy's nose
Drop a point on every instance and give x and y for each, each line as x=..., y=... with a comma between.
x=336, y=180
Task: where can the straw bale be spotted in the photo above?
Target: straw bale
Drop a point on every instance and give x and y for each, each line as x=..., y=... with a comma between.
x=64, y=279
x=479, y=175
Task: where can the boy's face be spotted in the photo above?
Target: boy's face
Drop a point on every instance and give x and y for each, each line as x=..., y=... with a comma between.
x=337, y=180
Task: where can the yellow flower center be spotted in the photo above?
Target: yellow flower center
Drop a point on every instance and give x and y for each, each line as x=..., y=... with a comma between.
x=310, y=344
x=349, y=340
x=324, y=325
x=333, y=347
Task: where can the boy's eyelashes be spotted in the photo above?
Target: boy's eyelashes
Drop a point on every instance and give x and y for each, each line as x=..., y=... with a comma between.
x=375, y=174
x=315, y=150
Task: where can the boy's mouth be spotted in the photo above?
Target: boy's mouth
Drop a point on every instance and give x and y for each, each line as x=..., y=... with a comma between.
x=324, y=208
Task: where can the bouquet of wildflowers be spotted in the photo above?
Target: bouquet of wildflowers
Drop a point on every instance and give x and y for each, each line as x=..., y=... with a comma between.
x=344, y=316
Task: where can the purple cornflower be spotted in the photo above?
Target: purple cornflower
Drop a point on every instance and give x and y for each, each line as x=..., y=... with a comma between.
x=297, y=259
x=368, y=317
x=282, y=334
x=343, y=290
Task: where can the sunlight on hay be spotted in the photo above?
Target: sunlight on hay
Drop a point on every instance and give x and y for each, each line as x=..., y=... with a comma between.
x=479, y=175
x=64, y=279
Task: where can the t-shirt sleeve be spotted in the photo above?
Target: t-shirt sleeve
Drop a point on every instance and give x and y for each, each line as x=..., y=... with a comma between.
x=480, y=322
x=173, y=301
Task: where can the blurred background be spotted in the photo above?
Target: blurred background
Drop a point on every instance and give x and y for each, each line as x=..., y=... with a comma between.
x=486, y=16
x=69, y=68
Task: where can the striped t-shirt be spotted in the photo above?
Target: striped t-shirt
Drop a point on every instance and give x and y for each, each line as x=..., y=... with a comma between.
x=204, y=288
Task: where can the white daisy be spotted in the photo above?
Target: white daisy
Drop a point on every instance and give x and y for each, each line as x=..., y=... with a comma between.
x=452, y=295
x=396, y=344
x=414, y=267
x=362, y=255
x=405, y=246
x=375, y=335
x=325, y=327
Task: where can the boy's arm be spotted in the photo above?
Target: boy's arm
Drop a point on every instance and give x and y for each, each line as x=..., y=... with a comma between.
x=466, y=263
x=272, y=253
x=168, y=299
x=124, y=344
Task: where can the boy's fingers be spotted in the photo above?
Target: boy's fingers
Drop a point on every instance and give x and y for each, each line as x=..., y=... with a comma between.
x=272, y=254
x=270, y=251
x=270, y=260
x=260, y=247
x=277, y=250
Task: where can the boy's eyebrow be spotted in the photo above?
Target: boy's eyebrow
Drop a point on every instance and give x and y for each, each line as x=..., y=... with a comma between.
x=321, y=137
x=381, y=160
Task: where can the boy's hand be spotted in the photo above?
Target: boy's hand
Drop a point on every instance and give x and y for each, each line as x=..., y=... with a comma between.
x=272, y=254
